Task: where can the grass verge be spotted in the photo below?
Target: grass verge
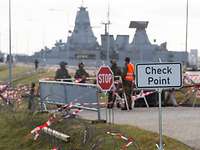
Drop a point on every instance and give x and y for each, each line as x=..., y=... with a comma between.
x=16, y=127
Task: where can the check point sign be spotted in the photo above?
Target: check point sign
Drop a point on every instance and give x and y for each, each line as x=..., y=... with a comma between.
x=158, y=75
x=105, y=78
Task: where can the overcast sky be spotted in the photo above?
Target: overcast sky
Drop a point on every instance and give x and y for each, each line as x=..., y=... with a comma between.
x=36, y=23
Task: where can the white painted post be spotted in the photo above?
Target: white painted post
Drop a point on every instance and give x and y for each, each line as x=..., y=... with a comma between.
x=56, y=134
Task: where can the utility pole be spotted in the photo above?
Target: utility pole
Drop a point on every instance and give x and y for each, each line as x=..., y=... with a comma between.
x=10, y=47
x=107, y=34
x=186, y=35
x=108, y=41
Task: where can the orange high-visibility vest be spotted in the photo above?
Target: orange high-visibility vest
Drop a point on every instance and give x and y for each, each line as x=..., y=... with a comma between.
x=130, y=72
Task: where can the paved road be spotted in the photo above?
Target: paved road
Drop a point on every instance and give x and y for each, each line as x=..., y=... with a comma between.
x=182, y=123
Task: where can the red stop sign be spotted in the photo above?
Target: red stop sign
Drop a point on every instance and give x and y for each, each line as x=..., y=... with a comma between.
x=105, y=78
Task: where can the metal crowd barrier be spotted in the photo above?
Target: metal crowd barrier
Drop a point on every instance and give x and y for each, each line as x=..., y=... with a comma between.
x=62, y=93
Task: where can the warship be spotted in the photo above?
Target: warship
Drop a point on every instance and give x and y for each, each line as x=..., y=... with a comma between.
x=82, y=45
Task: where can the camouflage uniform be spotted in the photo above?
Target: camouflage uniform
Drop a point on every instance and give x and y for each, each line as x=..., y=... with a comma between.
x=62, y=72
x=116, y=70
x=111, y=97
x=81, y=73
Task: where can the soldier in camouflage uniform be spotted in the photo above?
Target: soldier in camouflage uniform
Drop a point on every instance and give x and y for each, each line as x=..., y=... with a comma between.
x=62, y=72
x=81, y=73
x=116, y=72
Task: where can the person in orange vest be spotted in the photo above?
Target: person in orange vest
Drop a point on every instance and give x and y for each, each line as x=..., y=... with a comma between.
x=128, y=81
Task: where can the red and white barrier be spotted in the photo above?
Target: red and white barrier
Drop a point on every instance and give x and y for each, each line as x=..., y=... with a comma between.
x=198, y=94
x=73, y=113
x=122, y=137
x=89, y=104
x=191, y=77
x=192, y=80
x=66, y=107
x=143, y=95
x=36, y=131
x=3, y=87
x=16, y=94
x=54, y=148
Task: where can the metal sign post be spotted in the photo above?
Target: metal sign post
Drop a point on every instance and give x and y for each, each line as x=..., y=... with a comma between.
x=98, y=112
x=105, y=81
x=160, y=119
x=159, y=76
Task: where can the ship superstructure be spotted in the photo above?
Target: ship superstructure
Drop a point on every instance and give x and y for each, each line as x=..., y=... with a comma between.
x=142, y=50
x=82, y=45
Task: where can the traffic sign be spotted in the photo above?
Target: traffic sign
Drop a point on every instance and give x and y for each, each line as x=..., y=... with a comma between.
x=158, y=75
x=105, y=78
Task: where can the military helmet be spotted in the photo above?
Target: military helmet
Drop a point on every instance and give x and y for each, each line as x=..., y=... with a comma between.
x=81, y=64
x=127, y=59
x=62, y=63
x=113, y=61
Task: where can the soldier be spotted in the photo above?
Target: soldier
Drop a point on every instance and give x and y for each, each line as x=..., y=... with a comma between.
x=128, y=81
x=117, y=72
x=36, y=62
x=81, y=73
x=115, y=69
x=31, y=104
x=62, y=72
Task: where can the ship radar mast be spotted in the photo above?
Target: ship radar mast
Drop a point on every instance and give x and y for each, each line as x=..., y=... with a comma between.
x=139, y=24
x=140, y=37
x=82, y=3
x=106, y=24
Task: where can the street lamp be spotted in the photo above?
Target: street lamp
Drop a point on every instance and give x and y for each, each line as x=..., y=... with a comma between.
x=10, y=54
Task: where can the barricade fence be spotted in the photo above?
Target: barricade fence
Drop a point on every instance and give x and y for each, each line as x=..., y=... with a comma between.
x=193, y=79
x=63, y=93
x=12, y=95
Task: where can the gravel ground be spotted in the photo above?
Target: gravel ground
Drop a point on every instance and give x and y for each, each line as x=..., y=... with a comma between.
x=181, y=123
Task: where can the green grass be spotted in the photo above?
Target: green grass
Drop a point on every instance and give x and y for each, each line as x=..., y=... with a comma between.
x=24, y=74
x=34, y=77
x=3, y=67
x=17, y=71
x=16, y=127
